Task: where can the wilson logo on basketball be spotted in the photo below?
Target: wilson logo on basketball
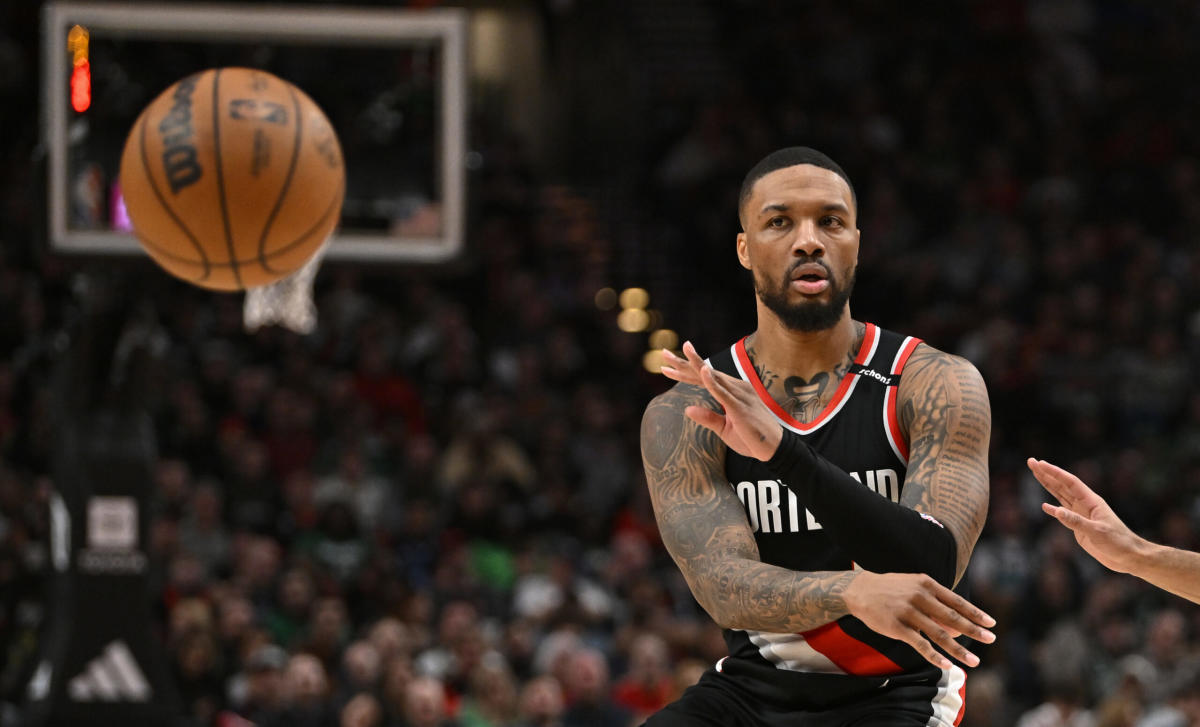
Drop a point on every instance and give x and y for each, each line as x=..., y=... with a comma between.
x=248, y=108
x=178, y=138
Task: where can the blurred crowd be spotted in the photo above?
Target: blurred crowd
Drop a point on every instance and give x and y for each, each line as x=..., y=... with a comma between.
x=431, y=511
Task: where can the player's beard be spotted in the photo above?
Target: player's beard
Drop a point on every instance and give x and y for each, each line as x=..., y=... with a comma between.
x=806, y=316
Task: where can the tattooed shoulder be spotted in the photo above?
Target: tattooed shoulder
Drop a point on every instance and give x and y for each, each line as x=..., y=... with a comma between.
x=667, y=433
x=924, y=376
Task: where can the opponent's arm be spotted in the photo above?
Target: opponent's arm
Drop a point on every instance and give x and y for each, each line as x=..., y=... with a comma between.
x=704, y=528
x=1102, y=534
x=944, y=408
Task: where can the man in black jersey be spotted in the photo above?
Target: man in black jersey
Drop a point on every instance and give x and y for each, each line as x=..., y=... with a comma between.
x=821, y=485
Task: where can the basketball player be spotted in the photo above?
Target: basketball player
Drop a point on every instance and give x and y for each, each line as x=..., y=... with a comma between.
x=1102, y=534
x=821, y=484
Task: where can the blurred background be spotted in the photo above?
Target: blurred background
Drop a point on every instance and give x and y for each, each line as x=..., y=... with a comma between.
x=432, y=512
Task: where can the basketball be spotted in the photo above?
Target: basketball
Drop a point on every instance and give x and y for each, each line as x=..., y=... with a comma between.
x=232, y=178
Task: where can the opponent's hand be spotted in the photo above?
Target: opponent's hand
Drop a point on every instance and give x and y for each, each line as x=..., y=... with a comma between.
x=1096, y=527
x=915, y=609
x=746, y=425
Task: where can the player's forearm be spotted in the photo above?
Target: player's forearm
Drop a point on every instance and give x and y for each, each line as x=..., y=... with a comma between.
x=1171, y=569
x=750, y=594
x=880, y=535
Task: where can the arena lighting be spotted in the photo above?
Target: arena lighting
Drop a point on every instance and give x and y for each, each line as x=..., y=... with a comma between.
x=634, y=298
x=81, y=73
x=653, y=361
x=664, y=338
x=606, y=298
x=633, y=320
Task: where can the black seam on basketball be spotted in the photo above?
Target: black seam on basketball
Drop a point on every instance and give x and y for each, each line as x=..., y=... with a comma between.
x=216, y=124
x=287, y=182
x=334, y=206
x=170, y=212
x=274, y=253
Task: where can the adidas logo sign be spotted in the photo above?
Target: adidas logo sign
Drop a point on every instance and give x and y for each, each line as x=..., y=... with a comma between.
x=114, y=676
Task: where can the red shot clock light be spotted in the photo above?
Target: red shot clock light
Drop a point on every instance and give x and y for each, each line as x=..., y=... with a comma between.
x=81, y=73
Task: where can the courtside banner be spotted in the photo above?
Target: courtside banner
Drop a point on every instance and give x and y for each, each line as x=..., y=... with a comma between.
x=100, y=663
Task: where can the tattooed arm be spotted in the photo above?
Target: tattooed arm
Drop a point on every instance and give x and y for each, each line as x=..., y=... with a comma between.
x=944, y=411
x=704, y=528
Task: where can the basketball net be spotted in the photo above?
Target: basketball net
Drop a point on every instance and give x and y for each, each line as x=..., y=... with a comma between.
x=287, y=302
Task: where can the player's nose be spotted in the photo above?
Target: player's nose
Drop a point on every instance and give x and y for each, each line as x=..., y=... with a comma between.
x=808, y=240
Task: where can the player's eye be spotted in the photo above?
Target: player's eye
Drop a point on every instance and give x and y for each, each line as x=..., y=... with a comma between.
x=831, y=221
x=777, y=222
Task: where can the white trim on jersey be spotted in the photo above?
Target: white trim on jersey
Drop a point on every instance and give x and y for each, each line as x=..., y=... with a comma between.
x=828, y=416
x=948, y=704
x=114, y=676
x=791, y=652
x=899, y=352
x=874, y=347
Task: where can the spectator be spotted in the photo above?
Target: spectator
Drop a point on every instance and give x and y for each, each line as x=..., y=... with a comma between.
x=647, y=685
x=202, y=531
x=265, y=691
x=587, y=688
x=542, y=703
x=492, y=698
x=367, y=494
x=306, y=689
x=362, y=710
x=361, y=670
x=425, y=704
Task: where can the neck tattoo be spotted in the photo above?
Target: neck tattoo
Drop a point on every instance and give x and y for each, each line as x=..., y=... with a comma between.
x=805, y=399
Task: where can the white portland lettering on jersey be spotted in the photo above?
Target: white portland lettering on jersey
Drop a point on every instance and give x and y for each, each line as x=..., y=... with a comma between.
x=772, y=507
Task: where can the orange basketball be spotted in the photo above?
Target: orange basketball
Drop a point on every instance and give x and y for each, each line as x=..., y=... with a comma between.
x=232, y=178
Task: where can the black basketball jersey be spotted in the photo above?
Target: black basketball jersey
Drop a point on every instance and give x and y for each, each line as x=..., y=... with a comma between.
x=858, y=431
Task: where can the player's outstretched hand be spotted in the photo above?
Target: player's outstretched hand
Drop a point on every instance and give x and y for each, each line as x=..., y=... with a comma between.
x=1097, y=528
x=745, y=424
x=915, y=609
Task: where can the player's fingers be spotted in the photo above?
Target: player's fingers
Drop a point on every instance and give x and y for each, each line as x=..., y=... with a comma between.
x=679, y=362
x=936, y=633
x=718, y=386
x=1073, y=520
x=914, y=639
x=735, y=387
x=959, y=624
x=685, y=376
x=706, y=417
x=1072, y=488
x=693, y=357
x=968, y=610
x=1049, y=480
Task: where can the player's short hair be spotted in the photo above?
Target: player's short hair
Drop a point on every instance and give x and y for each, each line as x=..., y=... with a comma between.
x=789, y=157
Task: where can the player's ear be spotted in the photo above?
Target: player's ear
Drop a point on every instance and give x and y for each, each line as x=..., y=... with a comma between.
x=743, y=258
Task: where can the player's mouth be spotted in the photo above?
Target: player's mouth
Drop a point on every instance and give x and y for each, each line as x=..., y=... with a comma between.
x=810, y=278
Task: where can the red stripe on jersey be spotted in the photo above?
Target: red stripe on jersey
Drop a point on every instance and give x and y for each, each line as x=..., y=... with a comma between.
x=848, y=653
x=868, y=345
x=864, y=351
x=893, y=419
x=902, y=357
